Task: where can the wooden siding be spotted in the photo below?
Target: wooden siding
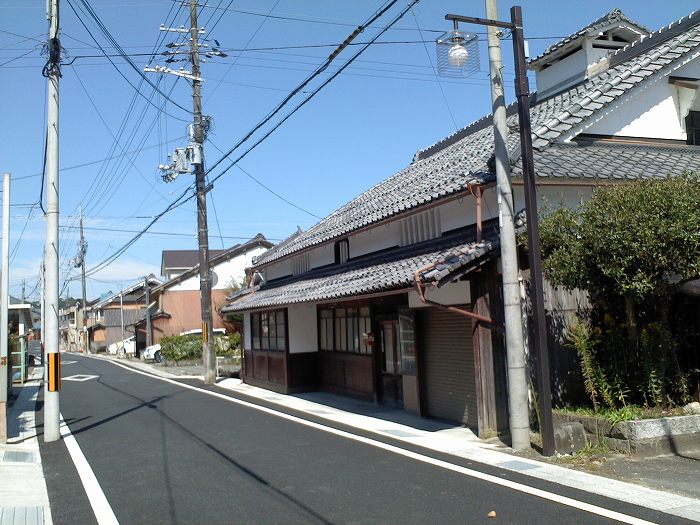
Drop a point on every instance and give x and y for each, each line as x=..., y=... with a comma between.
x=346, y=374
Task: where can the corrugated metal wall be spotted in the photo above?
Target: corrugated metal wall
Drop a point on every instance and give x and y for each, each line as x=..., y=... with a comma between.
x=445, y=340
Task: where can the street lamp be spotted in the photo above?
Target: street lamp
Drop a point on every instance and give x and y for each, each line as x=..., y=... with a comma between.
x=455, y=56
x=457, y=53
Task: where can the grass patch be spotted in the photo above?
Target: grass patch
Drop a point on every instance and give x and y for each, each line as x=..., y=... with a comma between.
x=628, y=413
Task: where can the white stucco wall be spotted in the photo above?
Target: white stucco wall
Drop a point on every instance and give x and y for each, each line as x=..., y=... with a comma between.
x=650, y=112
x=278, y=269
x=322, y=256
x=565, y=71
x=225, y=271
x=374, y=239
x=554, y=196
x=247, y=339
x=451, y=294
x=302, y=328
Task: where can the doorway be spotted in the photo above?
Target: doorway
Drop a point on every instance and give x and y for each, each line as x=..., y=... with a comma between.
x=391, y=383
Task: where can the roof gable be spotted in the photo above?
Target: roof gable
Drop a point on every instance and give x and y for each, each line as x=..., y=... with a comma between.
x=614, y=18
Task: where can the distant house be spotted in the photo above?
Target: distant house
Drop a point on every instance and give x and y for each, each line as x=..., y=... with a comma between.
x=176, y=305
x=176, y=262
x=107, y=317
x=395, y=297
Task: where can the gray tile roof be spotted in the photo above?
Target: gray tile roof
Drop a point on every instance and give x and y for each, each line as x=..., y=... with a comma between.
x=388, y=270
x=599, y=160
x=462, y=159
x=609, y=18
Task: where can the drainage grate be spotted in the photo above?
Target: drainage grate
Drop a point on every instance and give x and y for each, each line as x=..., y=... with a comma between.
x=15, y=456
x=518, y=466
x=400, y=433
x=25, y=515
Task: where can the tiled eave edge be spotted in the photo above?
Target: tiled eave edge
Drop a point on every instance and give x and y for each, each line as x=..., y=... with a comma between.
x=466, y=192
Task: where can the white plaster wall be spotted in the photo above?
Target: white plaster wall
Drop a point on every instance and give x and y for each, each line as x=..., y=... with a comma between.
x=651, y=112
x=278, y=269
x=450, y=294
x=554, y=197
x=225, y=271
x=375, y=239
x=572, y=66
x=302, y=328
x=247, y=339
x=462, y=212
x=322, y=256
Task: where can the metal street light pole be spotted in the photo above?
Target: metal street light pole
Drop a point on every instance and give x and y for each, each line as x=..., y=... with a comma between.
x=516, y=363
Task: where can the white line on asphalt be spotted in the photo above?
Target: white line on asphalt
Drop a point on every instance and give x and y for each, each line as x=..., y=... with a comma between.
x=98, y=501
x=520, y=487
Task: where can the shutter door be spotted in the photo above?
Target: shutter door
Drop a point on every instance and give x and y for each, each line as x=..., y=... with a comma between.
x=448, y=366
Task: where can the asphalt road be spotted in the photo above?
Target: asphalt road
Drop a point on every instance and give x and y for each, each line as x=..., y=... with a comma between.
x=163, y=453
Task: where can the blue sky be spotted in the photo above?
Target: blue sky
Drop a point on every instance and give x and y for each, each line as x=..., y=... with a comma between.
x=363, y=127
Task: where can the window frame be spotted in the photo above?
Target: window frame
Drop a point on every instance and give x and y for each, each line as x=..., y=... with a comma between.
x=342, y=331
x=267, y=326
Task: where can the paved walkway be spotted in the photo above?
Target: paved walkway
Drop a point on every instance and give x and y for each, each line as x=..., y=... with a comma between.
x=678, y=498
x=23, y=496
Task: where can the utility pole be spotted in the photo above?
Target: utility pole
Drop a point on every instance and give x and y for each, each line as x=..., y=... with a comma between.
x=23, y=292
x=81, y=259
x=194, y=155
x=208, y=356
x=149, y=334
x=4, y=303
x=121, y=311
x=515, y=347
x=52, y=72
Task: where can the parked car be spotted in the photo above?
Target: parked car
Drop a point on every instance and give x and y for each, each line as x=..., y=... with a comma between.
x=127, y=346
x=153, y=352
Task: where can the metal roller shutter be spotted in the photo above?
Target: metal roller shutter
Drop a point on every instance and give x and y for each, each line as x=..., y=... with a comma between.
x=448, y=364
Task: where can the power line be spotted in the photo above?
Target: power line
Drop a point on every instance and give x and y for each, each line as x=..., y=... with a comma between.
x=167, y=234
x=123, y=55
x=308, y=98
x=270, y=189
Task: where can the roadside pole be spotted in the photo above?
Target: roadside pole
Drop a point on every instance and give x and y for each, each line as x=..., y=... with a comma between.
x=4, y=303
x=83, y=251
x=208, y=355
x=149, y=334
x=53, y=374
x=515, y=347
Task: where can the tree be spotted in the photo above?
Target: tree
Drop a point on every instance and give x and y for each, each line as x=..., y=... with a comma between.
x=630, y=247
x=637, y=240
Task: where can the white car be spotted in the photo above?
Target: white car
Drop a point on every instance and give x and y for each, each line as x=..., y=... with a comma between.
x=127, y=346
x=153, y=352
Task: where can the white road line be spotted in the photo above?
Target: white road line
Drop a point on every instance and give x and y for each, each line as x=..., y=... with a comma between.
x=520, y=487
x=98, y=501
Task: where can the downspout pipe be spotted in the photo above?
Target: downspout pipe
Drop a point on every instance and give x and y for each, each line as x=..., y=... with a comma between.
x=461, y=311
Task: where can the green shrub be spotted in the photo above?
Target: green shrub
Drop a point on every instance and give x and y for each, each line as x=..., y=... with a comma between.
x=179, y=347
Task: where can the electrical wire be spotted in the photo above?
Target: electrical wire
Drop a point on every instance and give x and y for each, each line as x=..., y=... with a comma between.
x=129, y=61
x=305, y=101
x=270, y=189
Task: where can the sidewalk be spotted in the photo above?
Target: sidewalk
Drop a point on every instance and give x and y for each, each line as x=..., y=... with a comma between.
x=23, y=496
x=667, y=484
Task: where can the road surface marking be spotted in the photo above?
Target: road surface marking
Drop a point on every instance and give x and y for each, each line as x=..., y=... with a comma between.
x=514, y=485
x=80, y=377
x=98, y=501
